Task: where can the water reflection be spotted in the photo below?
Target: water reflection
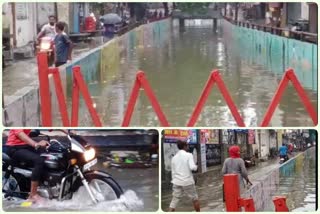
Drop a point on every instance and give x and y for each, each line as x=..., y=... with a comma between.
x=177, y=65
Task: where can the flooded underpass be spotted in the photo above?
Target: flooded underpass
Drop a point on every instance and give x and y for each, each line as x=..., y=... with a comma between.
x=177, y=63
x=296, y=180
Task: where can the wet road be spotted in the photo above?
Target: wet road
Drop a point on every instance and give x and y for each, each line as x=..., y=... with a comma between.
x=299, y=189
x=21, y=73
x=141, y=193
x=177, y=65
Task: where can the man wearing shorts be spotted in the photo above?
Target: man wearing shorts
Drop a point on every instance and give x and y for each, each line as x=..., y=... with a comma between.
x=182, y=165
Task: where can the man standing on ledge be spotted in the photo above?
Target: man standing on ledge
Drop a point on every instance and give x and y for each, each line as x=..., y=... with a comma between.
x=63, y=45
x=182, y=165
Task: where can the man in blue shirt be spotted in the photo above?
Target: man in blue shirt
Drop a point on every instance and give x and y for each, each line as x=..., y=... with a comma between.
x=63, y=45
x=283, y=150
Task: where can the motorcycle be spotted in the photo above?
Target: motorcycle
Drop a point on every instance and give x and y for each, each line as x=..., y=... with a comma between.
x=67, y=168
x=249, y=162
x=283, y=159
x=47, y=45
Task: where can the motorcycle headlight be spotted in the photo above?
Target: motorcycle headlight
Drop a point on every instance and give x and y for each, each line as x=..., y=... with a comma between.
x=89, y=154
x=45, y=45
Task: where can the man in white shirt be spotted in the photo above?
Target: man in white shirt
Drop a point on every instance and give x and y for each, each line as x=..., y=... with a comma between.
x=48, y=29
x=182, y=165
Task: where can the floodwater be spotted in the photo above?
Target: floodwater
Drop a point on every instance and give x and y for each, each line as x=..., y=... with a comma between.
x=300, y=188
x=177, y=67
x=141, y=193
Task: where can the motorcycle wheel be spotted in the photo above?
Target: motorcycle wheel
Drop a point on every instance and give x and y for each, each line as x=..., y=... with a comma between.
x=104, y=188
x=11, y=185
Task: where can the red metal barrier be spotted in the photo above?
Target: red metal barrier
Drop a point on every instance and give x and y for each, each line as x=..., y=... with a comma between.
x=231, y=192
x=45, y=98
x=232, y=197
x=215, y=77
x=60, y=96
x=248, y=204
x=280, y=204
x=289, y=76
x=80, y=86
x=142, y=82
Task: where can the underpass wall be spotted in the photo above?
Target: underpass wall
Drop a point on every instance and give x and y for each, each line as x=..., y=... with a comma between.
x=276, y=53
x=99, y=64
x=265, y=187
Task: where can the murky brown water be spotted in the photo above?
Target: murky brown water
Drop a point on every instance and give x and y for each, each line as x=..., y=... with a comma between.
x=177, y=66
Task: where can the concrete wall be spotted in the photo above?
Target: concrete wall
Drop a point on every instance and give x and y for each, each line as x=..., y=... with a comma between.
x=25, y=23
x=266, y=186
x=22, y=109
x=276, y=53
x=44, y=10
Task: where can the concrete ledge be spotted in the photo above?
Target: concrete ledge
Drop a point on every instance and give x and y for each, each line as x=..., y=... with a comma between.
x=265, y=186
x=23, y=108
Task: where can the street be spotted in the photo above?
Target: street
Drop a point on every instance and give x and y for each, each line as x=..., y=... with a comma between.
x=21, y=73
x=299, y=189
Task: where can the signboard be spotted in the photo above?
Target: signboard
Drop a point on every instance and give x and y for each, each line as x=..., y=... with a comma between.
x=21, y=11
x=213, y=154
x=209, y=136
x=203, y=158
x=174, y=135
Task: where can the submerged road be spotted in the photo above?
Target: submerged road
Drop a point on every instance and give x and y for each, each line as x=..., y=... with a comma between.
x=141, y=193
x=299, y=188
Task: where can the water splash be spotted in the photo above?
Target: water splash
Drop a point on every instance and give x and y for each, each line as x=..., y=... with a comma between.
x=129, y=201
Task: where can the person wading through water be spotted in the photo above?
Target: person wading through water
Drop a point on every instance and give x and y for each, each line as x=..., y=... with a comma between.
x=182, y=165
x=235, y=165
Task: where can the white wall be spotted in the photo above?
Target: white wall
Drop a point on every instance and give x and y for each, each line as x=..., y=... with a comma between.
x=304, y=11
x=25, y=23
x=263, y=144
x=44, y=10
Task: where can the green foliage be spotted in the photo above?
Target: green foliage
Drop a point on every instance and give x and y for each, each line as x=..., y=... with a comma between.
x=193, y=8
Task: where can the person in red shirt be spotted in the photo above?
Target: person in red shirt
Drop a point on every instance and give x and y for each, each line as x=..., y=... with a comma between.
x=22, y=148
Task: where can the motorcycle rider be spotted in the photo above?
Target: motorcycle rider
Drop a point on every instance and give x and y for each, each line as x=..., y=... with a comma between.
x=22, y=148
x=48, y=29
x=283, y=151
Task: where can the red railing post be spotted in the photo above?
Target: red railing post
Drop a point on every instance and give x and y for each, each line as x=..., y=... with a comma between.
x=60, y=96
x=289, y=76
x=154, y=102
x=45, y=98
x=203, y=98
x=225, y=93
x=215, y=77
x=280, y=204
x=303, y=96
x=86, y=95
x=248, y=204
x=231, y=192
x=75, y=103
x=131, y=104
x=142, y=82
